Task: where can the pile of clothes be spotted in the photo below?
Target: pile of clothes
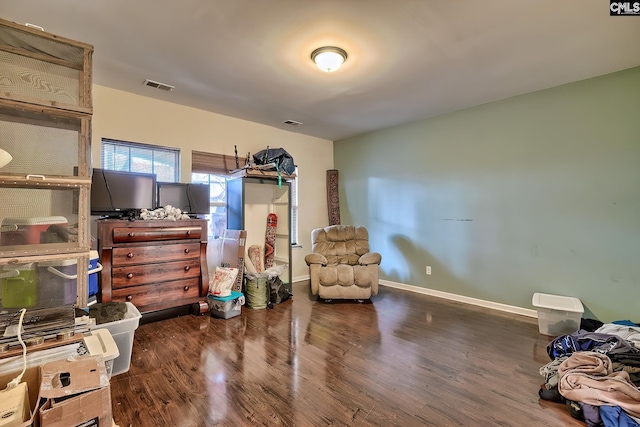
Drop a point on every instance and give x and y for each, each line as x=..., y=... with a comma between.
x=596, y=373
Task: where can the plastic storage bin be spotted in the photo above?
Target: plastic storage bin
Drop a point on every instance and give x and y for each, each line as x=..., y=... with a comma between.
x=94, y=269
x=32, y=231
x=18, y=286
x=58, y=282
x=122, y=332
x=226, y=307
x=557, y=315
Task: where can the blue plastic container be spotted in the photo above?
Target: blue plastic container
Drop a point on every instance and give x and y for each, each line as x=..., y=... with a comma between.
x=94, y=269
x=226, y=307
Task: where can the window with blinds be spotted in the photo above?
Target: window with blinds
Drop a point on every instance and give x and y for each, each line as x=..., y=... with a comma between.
x=144, y=158
x=214, y=164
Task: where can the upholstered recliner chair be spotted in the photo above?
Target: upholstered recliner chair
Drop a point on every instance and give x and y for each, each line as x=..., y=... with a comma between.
x=341, y=265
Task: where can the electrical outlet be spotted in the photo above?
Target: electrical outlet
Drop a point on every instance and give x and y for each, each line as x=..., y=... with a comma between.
x=428, y=270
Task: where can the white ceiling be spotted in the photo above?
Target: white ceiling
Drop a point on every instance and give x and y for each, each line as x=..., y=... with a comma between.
x=408, y=59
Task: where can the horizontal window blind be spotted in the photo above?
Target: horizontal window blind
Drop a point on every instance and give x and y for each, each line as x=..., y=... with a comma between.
x=144, y=158
x=213, y=163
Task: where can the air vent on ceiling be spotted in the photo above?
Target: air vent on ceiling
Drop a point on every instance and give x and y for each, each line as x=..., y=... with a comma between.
x=158, y=85
x=292, y=123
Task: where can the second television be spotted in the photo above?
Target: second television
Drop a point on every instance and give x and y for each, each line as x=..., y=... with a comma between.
x=190, y=198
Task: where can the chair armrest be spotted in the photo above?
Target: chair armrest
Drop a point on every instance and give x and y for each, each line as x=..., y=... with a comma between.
x=315, y=259
x=370, y=258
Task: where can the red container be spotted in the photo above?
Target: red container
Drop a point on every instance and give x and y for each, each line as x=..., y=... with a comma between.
x=31, y=231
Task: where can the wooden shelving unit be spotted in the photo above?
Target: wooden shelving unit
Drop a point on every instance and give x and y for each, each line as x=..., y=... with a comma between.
x=249, y=201
x=45, y=124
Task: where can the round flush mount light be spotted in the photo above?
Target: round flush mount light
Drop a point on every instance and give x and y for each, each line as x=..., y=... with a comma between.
x=329, y=58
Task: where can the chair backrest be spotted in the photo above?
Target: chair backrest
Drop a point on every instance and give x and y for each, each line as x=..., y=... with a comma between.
x=341, y=244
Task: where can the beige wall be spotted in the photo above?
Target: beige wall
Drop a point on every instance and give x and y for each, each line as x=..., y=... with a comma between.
x=128, y=117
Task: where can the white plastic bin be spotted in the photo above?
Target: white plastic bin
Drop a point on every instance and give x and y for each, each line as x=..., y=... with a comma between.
x=122, y=332
x=557, y=315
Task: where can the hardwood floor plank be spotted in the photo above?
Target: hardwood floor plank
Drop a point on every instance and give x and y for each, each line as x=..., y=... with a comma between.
x=403, y=360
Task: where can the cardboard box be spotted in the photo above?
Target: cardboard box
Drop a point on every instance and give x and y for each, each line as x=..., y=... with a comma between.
x=32, y=378
x=233, y=248
x=14, y=406
x=77, y=392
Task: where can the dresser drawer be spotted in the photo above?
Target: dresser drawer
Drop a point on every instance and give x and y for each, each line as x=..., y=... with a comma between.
x=149, y=234
x=168, y=292
x=134, y=275
x=154, y=254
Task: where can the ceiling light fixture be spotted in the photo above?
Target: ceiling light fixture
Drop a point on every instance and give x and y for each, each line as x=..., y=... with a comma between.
x=329, y=58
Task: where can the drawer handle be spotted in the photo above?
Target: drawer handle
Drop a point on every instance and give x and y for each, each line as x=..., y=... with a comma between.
x=186, y=288
x=187, y=268
x=129, y=298
x=186, y=251
x=130, y=255
x=130, y=276
x=132, y=234
x=188, y=232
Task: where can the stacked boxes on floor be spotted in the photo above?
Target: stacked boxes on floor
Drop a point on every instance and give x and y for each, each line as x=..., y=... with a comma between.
x=59, y=394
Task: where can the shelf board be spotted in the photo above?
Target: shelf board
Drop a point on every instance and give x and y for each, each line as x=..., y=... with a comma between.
x=47, y=344
x=257, y=173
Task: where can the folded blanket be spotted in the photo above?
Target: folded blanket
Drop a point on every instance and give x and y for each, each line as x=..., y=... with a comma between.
x=107, y=312
x=588, y=377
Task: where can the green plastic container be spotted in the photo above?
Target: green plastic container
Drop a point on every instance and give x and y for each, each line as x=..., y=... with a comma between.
x=18, y=286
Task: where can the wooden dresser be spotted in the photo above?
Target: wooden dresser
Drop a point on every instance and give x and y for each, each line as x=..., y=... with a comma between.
x=153, y=264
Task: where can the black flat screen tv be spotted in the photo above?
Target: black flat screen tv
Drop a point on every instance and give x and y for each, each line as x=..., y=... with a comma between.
x=192, y=199
x=116, y=193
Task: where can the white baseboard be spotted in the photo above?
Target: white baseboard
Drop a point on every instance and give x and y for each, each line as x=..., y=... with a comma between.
x=453, y=297
x=461, y=298
x=301, y=278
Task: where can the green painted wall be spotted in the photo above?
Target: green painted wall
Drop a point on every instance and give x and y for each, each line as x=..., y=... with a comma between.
x=537, y=193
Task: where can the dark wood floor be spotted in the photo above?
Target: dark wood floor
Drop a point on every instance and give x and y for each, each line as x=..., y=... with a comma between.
x=403, y=360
